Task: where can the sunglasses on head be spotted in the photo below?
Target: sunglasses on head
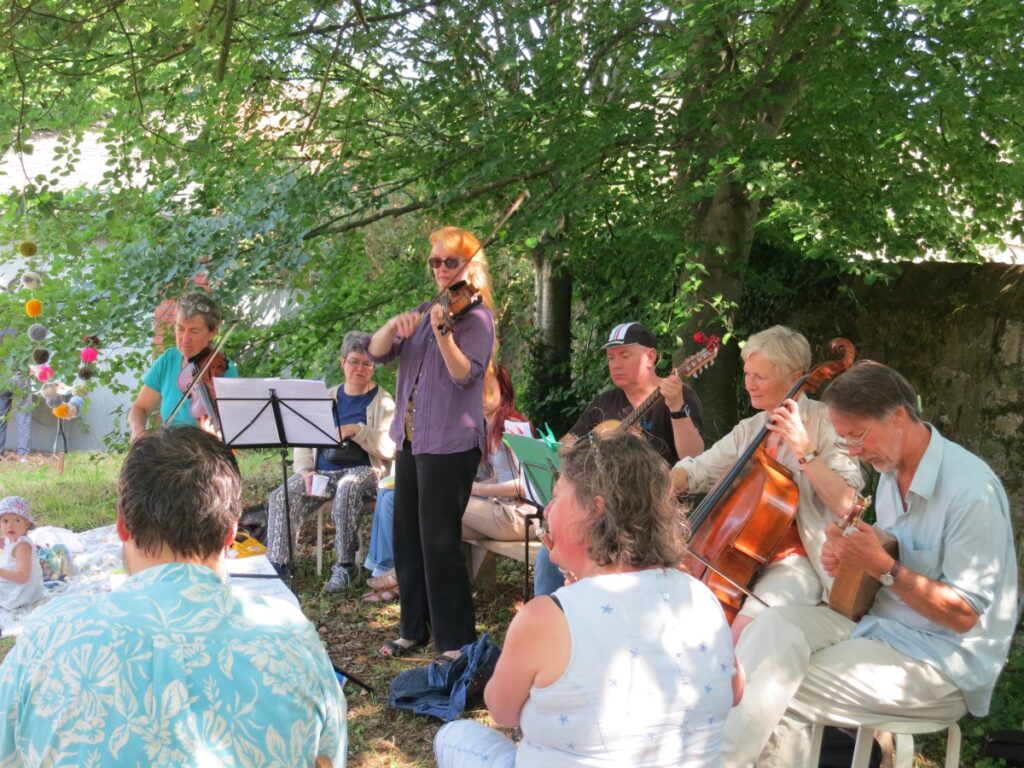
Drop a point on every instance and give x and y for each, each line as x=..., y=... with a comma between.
x=451, y=262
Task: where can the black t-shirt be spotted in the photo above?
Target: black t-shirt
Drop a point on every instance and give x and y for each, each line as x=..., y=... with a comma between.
x=656, y=423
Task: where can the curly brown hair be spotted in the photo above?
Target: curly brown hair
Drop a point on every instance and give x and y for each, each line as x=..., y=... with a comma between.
x=643, y=525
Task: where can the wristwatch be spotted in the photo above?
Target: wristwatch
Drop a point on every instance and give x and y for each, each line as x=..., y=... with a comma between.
x=682, y=413
x=888, y=578
x=807, y=458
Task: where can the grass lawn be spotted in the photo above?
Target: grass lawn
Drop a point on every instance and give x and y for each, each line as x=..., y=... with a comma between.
x=85, y=496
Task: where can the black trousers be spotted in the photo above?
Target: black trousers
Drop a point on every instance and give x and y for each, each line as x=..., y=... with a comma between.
x=431, y=493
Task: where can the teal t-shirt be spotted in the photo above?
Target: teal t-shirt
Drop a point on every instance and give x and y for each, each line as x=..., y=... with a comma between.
x=163, y=377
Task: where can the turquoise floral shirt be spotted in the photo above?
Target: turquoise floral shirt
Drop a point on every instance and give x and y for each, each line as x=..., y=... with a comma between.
x=171, y=669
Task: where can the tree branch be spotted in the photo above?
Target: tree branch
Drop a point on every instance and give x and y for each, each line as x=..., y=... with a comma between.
x=330, y=227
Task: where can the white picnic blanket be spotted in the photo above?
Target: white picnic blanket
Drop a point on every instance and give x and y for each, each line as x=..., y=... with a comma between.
x=98, y=567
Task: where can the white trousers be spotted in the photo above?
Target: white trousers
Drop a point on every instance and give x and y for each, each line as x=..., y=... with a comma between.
x=802, y=666
x=791, y=581
x=469, y=744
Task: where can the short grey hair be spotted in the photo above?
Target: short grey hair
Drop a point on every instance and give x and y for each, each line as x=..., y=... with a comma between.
x=354, y=341
x=783, y=347
x=200, y=304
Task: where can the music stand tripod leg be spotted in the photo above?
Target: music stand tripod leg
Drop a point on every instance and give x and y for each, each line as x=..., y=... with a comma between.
x=286, y=571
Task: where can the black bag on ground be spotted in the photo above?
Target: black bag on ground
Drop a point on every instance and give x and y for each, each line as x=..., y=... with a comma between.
x=1007, y=744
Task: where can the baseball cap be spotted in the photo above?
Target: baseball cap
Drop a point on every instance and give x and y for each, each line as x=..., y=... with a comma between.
x=16, y=505
x=630, y=333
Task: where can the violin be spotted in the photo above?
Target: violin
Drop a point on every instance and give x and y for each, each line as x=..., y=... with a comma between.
x=456, y=301
x=196, y=381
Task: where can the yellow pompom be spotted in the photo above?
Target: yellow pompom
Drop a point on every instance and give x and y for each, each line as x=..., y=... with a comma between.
x=61, y=411
x=33, y=307
x=27, y=248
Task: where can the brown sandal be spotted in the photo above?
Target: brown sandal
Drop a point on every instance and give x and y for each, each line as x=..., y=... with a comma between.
x=386, y=581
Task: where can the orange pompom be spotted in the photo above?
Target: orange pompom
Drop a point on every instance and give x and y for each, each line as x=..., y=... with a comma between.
x=33, y=307
x=61, y=411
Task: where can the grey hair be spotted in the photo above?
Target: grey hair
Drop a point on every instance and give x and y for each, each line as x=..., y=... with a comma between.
x=642, y=525
x=783, y=347
x=871, y=390
x=354, y=341
x=197, y=303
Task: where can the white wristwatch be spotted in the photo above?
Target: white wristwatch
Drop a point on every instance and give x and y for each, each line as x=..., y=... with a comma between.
x=888, y=578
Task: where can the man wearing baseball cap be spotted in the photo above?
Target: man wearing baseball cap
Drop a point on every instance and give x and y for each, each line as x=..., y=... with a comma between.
x=673, y=426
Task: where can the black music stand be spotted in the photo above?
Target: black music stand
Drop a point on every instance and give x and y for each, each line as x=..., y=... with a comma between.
x=282, y=414
x=277, y=413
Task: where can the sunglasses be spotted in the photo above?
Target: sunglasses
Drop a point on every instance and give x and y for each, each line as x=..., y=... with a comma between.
x=451, y=262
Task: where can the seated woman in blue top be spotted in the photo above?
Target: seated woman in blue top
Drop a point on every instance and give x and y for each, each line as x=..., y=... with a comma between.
x=363, y=411
x=630, y=664
x=196, y=323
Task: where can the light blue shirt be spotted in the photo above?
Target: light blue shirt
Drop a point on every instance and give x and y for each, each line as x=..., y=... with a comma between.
x=955, y=529
x=171, y=669
x=163, y=377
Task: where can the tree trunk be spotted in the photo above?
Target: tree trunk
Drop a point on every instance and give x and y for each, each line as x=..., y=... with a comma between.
x=723, y=230
x=551, y=381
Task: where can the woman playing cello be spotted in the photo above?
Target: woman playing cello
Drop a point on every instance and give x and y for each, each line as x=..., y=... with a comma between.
x=802, y=440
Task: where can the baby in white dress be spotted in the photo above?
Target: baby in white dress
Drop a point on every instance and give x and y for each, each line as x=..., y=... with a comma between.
x=21, y=577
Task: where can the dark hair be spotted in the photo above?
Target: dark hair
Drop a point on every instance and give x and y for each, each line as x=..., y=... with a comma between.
x=180, y=488
x=199, y=303
x=643, y=525
x=871, y=390
x=506, y=406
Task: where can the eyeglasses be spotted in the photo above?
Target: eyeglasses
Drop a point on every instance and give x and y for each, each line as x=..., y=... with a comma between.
x=853, y=442
x=355, y=362
x=451, y=262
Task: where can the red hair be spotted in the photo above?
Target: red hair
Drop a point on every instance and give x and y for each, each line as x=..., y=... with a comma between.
x=506, y=405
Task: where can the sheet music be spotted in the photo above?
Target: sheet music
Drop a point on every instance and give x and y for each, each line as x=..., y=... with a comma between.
x=247, y=418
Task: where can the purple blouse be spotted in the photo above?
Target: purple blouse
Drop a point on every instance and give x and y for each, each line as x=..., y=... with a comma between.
x=447, y=413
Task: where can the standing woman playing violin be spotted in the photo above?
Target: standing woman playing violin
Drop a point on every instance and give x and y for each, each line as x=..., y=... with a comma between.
x=196, y=323
x=439, y=428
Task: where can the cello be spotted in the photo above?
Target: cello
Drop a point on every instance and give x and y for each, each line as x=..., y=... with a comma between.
x=739, y=525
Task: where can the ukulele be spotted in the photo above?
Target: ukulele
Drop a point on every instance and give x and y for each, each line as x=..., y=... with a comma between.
x=853, y=590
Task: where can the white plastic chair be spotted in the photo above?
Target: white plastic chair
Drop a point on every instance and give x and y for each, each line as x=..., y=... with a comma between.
x=903, y=732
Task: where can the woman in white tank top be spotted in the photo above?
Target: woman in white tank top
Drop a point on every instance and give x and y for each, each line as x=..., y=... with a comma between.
x=631, y=664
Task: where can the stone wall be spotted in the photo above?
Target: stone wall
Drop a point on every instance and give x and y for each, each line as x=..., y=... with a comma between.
x=956, y=331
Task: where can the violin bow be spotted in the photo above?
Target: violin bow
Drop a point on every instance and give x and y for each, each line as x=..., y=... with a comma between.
x=198, y=377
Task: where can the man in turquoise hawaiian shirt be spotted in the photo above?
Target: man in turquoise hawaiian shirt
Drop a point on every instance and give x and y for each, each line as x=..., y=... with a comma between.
x=172, y=668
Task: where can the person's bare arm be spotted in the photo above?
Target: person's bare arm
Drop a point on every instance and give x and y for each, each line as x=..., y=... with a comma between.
x=146, y=403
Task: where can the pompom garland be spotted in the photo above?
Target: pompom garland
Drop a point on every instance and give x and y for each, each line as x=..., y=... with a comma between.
x=89, y=354
x=40, y=356
x=33, y=307
x=37, y=332
x=31, y=280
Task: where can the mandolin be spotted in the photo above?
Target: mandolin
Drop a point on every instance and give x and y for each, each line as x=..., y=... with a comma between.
x=691, y=366
x=853, y=590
